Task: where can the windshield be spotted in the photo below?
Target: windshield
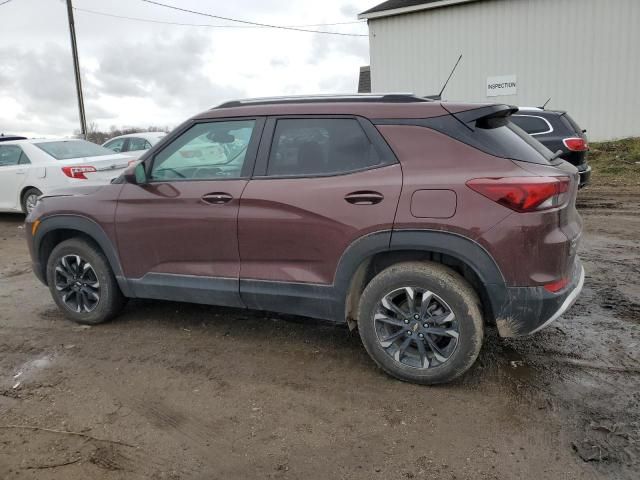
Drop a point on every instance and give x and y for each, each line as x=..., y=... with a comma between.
x=67, y=149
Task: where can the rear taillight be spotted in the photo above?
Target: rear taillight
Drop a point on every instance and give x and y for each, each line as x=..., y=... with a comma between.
x=78, y=172
x=556, y=286
x=576, y=144
x=524, y=194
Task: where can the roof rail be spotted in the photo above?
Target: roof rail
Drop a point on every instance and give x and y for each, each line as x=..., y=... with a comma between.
x=355, y=98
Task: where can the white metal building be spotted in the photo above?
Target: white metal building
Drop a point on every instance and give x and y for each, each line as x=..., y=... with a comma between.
x=584, y=54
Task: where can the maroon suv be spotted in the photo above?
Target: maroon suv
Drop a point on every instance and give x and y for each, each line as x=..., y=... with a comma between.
x=417, y=222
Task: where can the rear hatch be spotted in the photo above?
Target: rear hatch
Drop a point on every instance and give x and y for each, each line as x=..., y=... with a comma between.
x=489, y=129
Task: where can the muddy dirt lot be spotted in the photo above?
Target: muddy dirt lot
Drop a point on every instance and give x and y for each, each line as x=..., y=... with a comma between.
x=176, y=391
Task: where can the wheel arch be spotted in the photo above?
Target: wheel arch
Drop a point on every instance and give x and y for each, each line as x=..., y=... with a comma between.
x=58, y=228
x=24, y=189
x=373, y=253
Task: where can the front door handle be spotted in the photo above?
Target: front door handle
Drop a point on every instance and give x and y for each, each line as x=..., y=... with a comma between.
x=20, y=172
x=217, y=198
x=364, y=197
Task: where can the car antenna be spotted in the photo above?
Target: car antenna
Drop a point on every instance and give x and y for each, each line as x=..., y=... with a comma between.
x=545, y=104
x=439, y=96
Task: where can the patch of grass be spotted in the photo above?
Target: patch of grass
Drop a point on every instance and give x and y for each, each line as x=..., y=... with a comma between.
x=616, y=162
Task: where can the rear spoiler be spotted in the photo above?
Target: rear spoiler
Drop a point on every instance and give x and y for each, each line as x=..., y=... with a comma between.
x=483, y=113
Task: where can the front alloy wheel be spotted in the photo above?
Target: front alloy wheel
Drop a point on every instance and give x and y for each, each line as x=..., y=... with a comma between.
x=82, y=282
x=77, y=284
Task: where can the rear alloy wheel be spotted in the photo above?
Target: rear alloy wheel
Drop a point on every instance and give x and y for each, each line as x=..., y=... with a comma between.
x=416, y=327
x=30, y=200
x=421, y=322
x=82, y=283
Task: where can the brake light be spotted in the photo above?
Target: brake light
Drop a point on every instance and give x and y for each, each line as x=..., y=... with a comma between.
x=523, y=194
x=556, y=286
x=78, y=172
x=576, y=144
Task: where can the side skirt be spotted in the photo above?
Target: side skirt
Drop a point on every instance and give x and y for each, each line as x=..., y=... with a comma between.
x=188, y=288
x=304, y=299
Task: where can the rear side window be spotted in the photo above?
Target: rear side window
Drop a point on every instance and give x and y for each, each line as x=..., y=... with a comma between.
x=136, y=144
x=12, y=155
x=532, y=124
x=116, y=145
x=496, y=135
x=316, y=147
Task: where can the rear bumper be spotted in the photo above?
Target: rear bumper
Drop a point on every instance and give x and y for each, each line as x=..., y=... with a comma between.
x=585, y=176
x=527, y=310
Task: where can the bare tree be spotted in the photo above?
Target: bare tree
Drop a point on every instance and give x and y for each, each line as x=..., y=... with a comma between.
x=95, y=135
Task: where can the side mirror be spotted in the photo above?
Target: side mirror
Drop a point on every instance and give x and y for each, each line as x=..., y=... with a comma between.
x=135, y=174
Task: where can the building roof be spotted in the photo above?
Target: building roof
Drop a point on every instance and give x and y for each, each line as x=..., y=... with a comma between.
x=399, y=7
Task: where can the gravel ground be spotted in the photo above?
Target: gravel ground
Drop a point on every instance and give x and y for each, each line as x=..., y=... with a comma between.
x=178, y=391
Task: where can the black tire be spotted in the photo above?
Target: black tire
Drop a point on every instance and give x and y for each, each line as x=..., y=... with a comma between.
x=448, y=293
x=87, y=310
x=24, y=201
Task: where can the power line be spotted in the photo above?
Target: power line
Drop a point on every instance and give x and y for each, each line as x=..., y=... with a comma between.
x=256, y=24
x=84, y=10
x=5, y=1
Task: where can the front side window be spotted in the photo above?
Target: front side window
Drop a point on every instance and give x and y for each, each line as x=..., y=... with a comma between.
x=533, y=125
x=313, y=147
x=207, y=151
x=116, y=145
x=67, y=149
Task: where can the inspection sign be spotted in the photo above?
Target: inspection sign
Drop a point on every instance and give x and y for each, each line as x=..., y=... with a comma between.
x=502, y=85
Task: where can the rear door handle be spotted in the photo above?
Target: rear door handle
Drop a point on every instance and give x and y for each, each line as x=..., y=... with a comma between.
x=217, y=198
x=21, y=172
x=364, y=198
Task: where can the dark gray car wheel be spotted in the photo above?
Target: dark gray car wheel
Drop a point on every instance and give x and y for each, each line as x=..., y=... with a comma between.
x=30, y=199
x=421, y=322
x=82, y=283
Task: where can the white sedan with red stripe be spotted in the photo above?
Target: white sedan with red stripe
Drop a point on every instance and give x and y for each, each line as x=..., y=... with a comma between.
x=30, y=168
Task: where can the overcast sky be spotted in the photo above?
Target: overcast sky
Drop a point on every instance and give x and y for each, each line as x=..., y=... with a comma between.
x=141, y=74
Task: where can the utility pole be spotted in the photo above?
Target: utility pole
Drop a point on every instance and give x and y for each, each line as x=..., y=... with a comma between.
x=76, y=68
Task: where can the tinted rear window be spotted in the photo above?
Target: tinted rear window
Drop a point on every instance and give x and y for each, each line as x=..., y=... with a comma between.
x=503, y=138
x=531, y=124
x=68, y=149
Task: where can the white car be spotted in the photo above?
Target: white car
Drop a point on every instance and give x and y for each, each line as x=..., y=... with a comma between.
x=30, y=168
x=133, y=144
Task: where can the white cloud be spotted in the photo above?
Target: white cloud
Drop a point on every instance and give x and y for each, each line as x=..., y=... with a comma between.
x=138, y=73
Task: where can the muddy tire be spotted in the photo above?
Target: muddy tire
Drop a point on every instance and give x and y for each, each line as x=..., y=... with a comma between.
x=29, y=200
x=421, y=322
x=82, y=283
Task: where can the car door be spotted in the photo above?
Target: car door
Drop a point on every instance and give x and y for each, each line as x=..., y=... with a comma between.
x=13, y=172
x=320, y=183
x=177, y=233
